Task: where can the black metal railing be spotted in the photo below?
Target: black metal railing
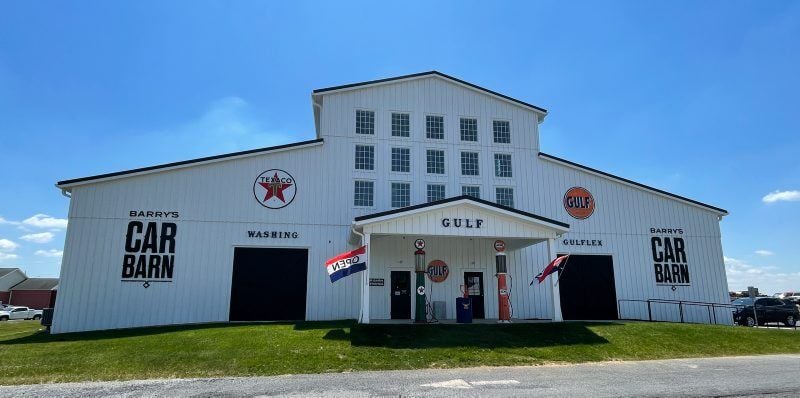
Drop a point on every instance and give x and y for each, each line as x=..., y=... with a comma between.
x=682, y=304
x=711, y=308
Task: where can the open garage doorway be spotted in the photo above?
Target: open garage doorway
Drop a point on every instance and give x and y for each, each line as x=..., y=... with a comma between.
x=268, y=284
x=588, y=290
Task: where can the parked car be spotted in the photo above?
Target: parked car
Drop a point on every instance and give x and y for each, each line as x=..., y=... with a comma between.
x=19, y=313
x=768, y=309
x=794, y=300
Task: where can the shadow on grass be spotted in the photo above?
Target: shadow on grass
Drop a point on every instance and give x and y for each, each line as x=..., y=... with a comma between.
x=44, y=337
x=475, y=336
x=386, y=336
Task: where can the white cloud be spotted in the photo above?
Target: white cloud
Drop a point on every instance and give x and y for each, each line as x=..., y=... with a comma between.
x=768, y=279
x=782, y=196
x=42, y=237
x=49, y=253
x=45, y=221
x=7, y=256
x=3, y=221
x=7, y=245
x=764, y=252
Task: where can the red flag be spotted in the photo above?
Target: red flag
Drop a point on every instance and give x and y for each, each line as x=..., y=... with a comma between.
x=551, y=268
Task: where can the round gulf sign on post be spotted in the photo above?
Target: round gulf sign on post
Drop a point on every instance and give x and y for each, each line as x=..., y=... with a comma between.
x=499, y=245
x=579, y=203
x=419, y=244
x=437, y=271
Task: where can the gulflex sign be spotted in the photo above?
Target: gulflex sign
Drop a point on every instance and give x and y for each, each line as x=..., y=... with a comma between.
x=149, y=250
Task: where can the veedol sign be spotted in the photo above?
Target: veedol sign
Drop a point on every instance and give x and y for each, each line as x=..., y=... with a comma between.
x=274, y=189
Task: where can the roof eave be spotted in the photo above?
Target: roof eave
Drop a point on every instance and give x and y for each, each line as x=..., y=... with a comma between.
x=67, y=185
x=555, y=225
x=391, y=80
x=719, y=211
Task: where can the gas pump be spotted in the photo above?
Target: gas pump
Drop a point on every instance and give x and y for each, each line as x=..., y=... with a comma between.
x=420, y=315
x=504, y=312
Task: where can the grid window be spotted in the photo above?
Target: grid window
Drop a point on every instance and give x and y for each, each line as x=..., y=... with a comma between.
x=434, y=127
x=469, y=129
x=469, y=163
x=435, y=192
x=502, y=165
x=365, y=157
x=365, y=122
x=401, y=127
x=505, y=196
x=435, y=161
x=401, y=194
x=364, y=192
x=502, y=131
x=470, y=190
x=401, y=160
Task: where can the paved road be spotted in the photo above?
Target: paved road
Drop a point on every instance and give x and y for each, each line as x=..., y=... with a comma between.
x=772, y=376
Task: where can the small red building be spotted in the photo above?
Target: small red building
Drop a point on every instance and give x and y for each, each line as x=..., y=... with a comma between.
x=35, y=293
x=9, y=277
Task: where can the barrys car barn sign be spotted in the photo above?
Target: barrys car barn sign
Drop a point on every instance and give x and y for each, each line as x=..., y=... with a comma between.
x=669, y=257
x=274, y=189
x=149, y=248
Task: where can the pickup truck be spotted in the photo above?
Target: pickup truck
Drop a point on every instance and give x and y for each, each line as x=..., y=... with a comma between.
x=19, y=313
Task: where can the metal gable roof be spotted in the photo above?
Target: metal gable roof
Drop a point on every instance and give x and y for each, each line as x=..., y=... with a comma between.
x=37, y=284
x=66, y=183
x=410, y=209
x=428, y=74
x=6, y=271
x=634, y=183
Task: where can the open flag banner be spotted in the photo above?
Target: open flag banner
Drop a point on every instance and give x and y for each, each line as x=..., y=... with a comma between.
x=347, y=263
x=551, y=268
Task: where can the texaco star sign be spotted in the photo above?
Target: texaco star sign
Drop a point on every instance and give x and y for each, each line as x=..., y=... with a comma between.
x=274, y=189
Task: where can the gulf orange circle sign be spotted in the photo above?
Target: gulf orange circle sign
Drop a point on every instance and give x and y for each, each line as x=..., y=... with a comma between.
x=579, y=203
x=438, y=271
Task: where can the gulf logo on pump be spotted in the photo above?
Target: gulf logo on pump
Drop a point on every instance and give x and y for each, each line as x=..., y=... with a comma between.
x=579, y=203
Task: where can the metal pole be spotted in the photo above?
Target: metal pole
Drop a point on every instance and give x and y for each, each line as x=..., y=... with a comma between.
x=680, y=307
x=649, y=311
x=420, y=313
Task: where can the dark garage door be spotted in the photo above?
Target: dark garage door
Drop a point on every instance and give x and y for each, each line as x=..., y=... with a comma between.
x=587, y=288
x=268, y=284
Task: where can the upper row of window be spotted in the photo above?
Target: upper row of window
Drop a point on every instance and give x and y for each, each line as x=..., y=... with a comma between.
x=434, y=161
x=434, y=127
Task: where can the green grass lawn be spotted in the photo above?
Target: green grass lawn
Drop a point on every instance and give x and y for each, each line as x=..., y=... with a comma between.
x=28, y=355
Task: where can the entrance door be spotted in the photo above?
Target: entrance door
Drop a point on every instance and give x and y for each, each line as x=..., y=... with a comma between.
x=588, y=291
x=268, y=284
x=474, y=283
x=400, y=294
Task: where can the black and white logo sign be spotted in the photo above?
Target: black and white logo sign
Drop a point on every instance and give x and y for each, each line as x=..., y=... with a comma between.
x=419, y=244
x=274, y=189
x=670, y=263
x=149, y=252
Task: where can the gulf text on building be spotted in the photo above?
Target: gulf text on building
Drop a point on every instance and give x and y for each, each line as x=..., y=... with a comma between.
x=245, y=236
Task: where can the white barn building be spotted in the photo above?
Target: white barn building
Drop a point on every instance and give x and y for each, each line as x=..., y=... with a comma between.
x=245, y=236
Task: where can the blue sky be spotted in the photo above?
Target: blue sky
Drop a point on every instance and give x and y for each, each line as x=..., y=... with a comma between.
x=697, y=98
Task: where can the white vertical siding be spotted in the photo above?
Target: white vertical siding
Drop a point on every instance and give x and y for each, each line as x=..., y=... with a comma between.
x=217, y=207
